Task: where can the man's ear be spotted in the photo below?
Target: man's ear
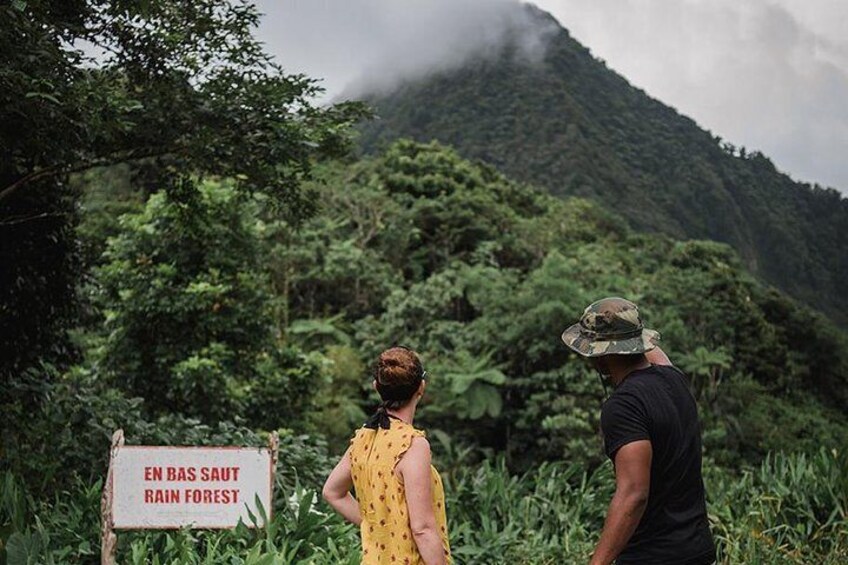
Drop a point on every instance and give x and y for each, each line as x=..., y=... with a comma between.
x=422, y=386
x=374, y=384
x=606, y=363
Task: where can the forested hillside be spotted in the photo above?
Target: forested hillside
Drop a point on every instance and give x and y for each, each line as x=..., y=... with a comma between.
x=482, y=274
x=573, y=126
x=274, y=326
x=188, y=252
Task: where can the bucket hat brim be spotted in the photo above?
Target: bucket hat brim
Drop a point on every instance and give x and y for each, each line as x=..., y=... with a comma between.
x=591, y=347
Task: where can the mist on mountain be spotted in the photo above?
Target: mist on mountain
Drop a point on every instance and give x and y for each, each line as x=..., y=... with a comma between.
x=389, y=43
x=767, y=75
x=570, y=124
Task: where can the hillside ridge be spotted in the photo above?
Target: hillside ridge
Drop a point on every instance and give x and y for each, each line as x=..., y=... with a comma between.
x=577, y=128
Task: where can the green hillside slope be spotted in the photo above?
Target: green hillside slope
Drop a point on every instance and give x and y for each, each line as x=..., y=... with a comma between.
x=482, y=274
x=575, y=127
x=259, y=322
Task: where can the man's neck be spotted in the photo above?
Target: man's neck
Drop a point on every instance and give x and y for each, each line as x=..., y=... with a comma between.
x=620, y=372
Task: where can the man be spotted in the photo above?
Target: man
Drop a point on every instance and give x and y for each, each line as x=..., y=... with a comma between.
x=652, y=435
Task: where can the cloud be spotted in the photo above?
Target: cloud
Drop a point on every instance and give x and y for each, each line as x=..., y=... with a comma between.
x=771, y=76
x=361, y=46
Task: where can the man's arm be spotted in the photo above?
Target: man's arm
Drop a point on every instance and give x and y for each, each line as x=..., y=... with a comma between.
x=632, y=483
x=657, y=356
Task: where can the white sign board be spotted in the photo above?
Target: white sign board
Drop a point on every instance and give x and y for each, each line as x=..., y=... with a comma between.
x=197, y=487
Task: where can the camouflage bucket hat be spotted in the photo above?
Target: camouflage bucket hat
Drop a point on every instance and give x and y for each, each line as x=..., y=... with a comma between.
x=611, y=326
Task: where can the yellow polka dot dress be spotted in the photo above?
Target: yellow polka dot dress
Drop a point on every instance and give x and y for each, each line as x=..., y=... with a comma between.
x=386, y=534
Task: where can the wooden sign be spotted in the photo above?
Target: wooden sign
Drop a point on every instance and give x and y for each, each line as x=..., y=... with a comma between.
x=196, y=487
x=157, y=487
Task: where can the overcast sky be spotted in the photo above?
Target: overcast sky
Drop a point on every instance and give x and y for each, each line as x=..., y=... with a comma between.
x=770, y=75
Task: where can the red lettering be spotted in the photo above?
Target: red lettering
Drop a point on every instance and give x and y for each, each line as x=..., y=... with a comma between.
x=181, y=474
x=193, y=495
x=153, y=473
x=161, y=496
x=219, y=474
x=211, y=496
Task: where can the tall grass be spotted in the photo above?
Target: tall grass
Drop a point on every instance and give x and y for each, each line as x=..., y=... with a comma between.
x=790, y=509
x=544, y=516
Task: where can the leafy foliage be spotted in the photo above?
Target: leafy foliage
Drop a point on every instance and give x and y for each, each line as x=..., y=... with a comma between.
x=791, y=509
x=179, y=88
x=188, y=83
x=474, y=386
x=486, y=313
x=301, y=311
x=186, y=306
x=573, y=126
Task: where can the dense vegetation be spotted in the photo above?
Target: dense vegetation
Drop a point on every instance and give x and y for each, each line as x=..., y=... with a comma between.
x=204, y=296
x=170, y=89
x=571, y=125
x=779, y=513
x=478, y=273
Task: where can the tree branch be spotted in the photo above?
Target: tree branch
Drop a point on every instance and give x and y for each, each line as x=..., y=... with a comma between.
x=23, y=219
x=65, y=169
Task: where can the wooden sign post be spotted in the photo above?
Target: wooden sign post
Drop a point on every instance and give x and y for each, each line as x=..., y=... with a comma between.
x=108, y=539
x=161, y=487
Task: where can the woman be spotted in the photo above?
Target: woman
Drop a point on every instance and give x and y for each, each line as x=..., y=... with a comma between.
x=401, y=500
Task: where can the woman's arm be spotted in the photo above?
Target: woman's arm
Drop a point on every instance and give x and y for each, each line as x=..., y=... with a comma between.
x=337, y=491
x=415, y=470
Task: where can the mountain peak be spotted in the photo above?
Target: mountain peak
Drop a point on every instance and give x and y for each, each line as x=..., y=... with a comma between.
x=566, y=122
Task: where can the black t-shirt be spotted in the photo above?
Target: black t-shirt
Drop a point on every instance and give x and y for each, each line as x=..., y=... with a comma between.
x=655, y=404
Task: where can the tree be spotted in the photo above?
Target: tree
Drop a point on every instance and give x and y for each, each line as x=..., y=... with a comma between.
x=181, y=81
x=188, y=310
x=179, y=84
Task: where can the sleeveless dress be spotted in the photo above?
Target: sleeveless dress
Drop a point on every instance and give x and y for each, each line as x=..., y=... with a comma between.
x=386, y=533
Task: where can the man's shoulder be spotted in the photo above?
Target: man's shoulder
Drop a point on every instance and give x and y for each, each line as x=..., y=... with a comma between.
x=648, y=377
x=623, y=398
x=646, y=384
x=668, y=369
x=658, y=385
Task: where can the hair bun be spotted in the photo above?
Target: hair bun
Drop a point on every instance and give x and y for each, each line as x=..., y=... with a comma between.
x=398, y=366
x=390, y=361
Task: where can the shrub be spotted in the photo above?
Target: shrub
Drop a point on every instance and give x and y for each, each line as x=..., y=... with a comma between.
x=189, y=316
x=791, y=509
